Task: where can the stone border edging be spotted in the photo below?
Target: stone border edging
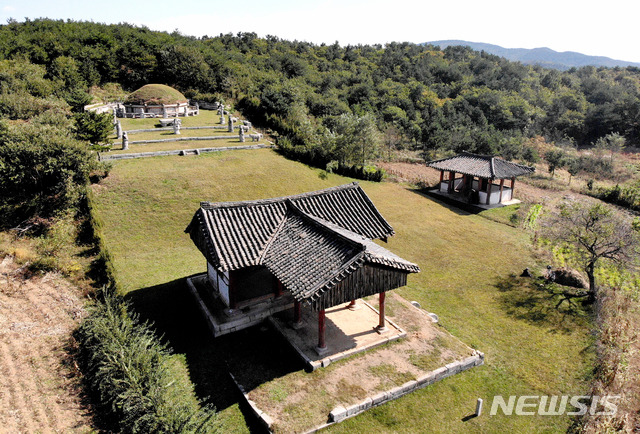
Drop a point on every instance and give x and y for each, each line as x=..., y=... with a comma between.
x=340, y=413
x=263, y=417
x=195, y=151
x=181, y=139
x=152, y=130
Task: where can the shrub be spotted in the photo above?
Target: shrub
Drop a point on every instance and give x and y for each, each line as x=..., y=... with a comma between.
x=627, y=196
x=134, y=381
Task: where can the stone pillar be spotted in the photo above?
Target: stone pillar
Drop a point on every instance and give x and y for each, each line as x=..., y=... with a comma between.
x=241, y=133
x=164, y=112
x=230, y=129
x=119, y=129
x=125, y=141
x=382, y=326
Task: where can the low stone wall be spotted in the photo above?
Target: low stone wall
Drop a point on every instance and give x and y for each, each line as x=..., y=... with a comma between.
x=152, y=130
x=341, y=413
x=103, y=157
x=181, y=139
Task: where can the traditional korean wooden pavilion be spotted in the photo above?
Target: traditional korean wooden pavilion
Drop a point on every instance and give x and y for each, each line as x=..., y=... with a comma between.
x=314, y=247
x=478, y=175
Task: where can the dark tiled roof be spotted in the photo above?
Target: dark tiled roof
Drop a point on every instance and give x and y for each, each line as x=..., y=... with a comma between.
x=300, y=239
x=482, y=166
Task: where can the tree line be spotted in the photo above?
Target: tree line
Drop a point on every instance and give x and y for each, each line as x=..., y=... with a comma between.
x=417, y=95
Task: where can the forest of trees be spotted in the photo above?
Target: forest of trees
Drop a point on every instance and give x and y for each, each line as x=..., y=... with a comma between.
x=454, y=99
x=328, y=105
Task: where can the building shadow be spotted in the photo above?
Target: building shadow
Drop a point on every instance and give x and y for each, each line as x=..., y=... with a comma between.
x=178, y=321
x=454, y=205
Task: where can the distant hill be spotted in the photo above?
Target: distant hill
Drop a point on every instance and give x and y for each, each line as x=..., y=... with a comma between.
x=545, y=57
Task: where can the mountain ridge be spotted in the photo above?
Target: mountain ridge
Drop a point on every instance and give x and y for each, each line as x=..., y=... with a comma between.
x=543, y=56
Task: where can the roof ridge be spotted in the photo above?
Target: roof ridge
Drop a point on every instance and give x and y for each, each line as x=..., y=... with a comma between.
x=254, y=202
x=317, y=221
x=268, y=244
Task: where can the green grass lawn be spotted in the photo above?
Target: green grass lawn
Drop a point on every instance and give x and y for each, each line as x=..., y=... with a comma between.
x=467, y=264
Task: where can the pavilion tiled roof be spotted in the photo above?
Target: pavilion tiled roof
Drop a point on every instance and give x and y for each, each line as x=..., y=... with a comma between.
x=309, y=242
x=482, y=166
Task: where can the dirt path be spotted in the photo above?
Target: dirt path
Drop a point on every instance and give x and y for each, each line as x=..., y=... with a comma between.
x=38, y=386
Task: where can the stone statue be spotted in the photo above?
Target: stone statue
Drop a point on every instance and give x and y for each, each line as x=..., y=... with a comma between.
x=119, y=129
x=230, y=124
x=241, y=129
x=176, y=126
x=125, y=141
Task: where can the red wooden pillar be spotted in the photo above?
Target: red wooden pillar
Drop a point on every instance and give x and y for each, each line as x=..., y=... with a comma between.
x=501, y=187
x=321, y=329
x=381, y=322
x=513, y=183
x=452, y=179
x=297, y=312
x=441, y=176
x=279, y=288
x=353, y=305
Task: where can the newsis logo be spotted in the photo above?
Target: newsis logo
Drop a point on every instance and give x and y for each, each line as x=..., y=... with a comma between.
x=555, y=405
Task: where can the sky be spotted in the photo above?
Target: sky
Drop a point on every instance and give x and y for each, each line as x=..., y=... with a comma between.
x=602, y=28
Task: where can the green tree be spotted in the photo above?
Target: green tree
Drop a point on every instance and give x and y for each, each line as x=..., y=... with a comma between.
x=613, y=143
x=42, y=171
x=555, y=158
x=357, y=138
x=593, y=233
x=573, y=167
x=93, y=127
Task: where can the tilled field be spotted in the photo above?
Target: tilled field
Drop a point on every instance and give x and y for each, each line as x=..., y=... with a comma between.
x=39, y=389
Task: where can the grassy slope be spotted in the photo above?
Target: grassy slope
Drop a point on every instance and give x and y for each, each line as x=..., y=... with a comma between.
x=465, y=260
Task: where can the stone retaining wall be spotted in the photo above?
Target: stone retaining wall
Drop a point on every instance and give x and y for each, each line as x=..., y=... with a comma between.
x=103, y=157
x=341, y=413
x=152, y=130
x=181, y=139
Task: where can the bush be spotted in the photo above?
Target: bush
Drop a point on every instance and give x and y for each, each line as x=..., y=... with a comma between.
x=627, y=196
x=42, y=172
x=133, y=380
